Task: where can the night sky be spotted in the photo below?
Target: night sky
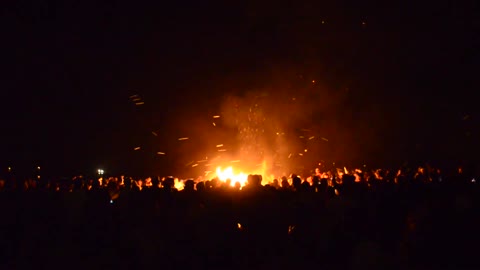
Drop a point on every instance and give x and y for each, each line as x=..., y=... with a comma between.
x=69, y=68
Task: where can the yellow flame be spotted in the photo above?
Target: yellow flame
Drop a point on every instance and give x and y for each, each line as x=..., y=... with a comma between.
x=228, y=173
x=179, y=184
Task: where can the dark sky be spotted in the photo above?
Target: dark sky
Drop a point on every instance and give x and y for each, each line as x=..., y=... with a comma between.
x=69, y=68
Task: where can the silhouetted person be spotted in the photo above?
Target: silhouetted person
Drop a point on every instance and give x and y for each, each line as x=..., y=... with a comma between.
x=200, y=187
x=297, y=183
x=168, y=184
x=189, y=186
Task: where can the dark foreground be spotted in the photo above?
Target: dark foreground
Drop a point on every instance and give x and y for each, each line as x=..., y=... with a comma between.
x=376, y=226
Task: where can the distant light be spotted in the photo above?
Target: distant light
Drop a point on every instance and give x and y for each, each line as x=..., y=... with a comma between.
x=111, y=201
x=100, y=171
x=323, y=22
x=473, y=180
x=9, y=169
x=313, y=81
x=38, y=167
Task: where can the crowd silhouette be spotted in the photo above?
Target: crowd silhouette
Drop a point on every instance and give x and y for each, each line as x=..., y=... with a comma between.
x=398, y=219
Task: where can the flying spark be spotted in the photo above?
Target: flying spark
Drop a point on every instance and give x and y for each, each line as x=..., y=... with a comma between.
x=219, y=145
x=160, y=153
x=154, y=133
x=216, y=116
x=139, y=103
x=183, y=138
x=311, y=138
x=194, y=165
x=136, y=148
x=325, y=139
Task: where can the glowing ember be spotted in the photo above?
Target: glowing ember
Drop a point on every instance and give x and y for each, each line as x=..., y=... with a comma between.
x=228, y=174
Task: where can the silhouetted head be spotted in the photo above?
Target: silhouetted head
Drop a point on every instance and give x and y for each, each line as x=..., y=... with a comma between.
x=254, y=180
x=189, y=185
x=168, y=183
x=275, y=183
x=155, y=182
x=348, y=179
x=297, y=182
x=285, y=183
x=208, y=185
x=200, y=186
x=77, y=184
